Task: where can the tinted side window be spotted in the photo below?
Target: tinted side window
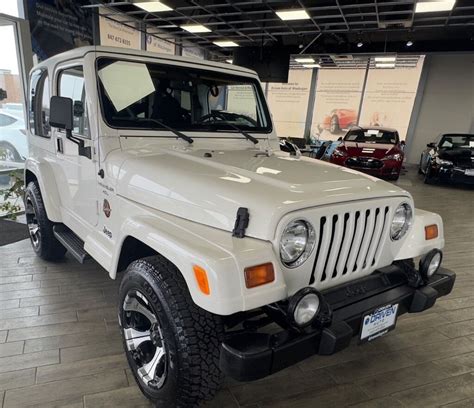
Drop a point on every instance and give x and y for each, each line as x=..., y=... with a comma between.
x=71, y=85
x=38, y=112
x=6, y=120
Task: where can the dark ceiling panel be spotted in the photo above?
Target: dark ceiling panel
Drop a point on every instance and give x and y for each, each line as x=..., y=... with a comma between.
x=338, y=25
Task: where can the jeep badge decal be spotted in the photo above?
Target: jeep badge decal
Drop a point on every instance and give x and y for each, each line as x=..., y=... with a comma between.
x=106, y=208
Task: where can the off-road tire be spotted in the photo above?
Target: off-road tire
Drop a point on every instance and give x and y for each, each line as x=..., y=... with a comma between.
x=49, y=248
x=192, y=336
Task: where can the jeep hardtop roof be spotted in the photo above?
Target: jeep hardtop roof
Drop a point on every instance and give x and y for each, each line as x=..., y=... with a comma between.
x=82, y=51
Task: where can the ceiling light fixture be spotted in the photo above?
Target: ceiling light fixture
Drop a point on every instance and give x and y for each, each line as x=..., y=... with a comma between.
x=311, y=65
x=432, y=6
x=226, y=43
x=152, y=6
x=288, y=15
x=195, y=28
x=409, y=43
x=307, y=60
x=385, y=59
x=360, y=44
x=389, y=65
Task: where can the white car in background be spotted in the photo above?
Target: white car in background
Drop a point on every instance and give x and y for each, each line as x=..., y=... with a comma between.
x=13, y=143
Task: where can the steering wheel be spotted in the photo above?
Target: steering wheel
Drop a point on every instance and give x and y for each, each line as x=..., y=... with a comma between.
x=227, y=117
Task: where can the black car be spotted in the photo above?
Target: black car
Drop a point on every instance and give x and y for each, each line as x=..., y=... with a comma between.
x=450, y=158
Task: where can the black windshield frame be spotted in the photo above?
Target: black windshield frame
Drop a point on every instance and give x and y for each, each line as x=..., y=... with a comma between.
x=211, y=128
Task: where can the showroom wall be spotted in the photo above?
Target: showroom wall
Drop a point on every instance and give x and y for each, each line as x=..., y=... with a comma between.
x=445, y=101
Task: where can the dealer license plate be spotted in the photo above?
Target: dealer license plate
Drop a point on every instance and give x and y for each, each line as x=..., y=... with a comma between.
x=378, y=322
x=469, y=172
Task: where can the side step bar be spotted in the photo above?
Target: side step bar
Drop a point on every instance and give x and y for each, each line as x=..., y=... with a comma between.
x=71, y=242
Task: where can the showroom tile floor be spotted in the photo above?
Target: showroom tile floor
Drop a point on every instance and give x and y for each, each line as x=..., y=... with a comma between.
x=60, y=345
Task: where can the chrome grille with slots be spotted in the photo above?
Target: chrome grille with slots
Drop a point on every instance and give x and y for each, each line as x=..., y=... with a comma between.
x=349, y=243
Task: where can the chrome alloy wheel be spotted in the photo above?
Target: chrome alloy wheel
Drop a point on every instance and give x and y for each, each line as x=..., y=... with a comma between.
x=32, y=223
x=144, y=339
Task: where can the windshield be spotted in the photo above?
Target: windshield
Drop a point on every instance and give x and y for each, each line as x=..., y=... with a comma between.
x=371, y=136
x=457, y=141
x=138, y=95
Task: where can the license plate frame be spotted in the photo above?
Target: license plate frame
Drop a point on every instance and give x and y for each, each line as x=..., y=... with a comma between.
x=378, y=322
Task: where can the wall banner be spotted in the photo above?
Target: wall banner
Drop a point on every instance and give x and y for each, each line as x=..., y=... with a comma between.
x=193, y=52
x=289, y=103
x=155, y=44
x=389, y=97
x=336, y=107
x=58, y=26
x=115, y=34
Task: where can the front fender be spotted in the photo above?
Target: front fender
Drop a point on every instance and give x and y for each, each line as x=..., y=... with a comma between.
x=415, y=243
x=47, y=184
x=224, y=257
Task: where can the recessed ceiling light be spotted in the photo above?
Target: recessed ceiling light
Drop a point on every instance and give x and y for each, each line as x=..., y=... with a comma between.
x=226, y=43
x=311, y=65
x=389, y=65
x=288, y=15
x=360, y=44
x=153, y=6
x=409, y=43
x=305, y=60
x=229, y=61
x=386, y=59
x=195, y=28
x=434, y=5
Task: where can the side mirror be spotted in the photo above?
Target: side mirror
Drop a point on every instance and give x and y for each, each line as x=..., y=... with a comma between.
x=61, y=116
x=61, y=113
x=432, y=145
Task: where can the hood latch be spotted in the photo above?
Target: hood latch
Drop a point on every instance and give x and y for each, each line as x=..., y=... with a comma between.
x=241, y=222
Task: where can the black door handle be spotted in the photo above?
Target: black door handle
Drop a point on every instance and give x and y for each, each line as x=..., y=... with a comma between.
x=59, y=144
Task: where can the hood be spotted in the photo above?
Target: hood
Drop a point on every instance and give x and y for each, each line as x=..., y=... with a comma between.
x=462, y=157
x=376, y=150
x=208, y=186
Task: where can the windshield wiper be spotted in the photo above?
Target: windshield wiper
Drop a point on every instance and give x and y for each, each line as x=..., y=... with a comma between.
x=180, y=135
x=241, y=131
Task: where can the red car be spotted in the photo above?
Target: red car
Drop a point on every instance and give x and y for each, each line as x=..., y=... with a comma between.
x=376, y=151
x=340, y=119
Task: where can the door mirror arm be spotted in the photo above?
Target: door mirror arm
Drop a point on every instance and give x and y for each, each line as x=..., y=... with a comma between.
x=62, y=117
x=82, y=149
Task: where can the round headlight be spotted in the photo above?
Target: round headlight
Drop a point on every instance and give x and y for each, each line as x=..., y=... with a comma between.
x=430, y=263
x=304, y=306
x=297, y=242
x=401, y=221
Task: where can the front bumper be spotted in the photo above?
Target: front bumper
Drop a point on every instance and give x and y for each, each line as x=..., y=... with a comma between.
x=454, y=175
x=374, y=167
x=250, y=356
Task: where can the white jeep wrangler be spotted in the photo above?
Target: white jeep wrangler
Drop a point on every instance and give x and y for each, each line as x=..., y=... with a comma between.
x=238, y=258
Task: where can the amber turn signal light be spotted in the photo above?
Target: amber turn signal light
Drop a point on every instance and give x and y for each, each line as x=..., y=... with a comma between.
x=201, y=278
x=431, y=232
x=259, y=275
